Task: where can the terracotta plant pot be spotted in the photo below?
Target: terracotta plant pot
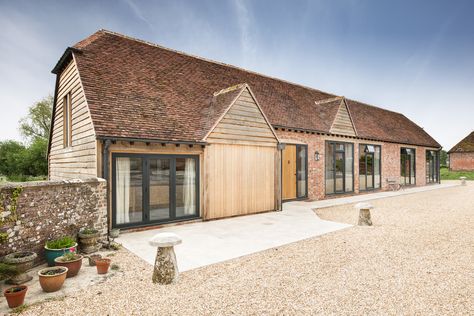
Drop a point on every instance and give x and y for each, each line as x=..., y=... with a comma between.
x=73, y=266
x=22, y=261
x=88, y=240
x=15, y=295
x=52, y=278
x=93, y=258
x=102, y=265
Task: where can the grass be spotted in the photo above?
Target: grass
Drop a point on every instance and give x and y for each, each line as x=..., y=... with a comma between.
x=446, y=174
x=21, y=178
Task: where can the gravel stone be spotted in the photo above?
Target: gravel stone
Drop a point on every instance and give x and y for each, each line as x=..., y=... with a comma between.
x=417, y=259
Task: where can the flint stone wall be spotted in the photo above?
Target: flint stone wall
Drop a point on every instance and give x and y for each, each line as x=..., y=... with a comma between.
x=33, y=212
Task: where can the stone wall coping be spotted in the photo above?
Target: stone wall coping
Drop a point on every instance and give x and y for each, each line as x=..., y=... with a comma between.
x=33, y=184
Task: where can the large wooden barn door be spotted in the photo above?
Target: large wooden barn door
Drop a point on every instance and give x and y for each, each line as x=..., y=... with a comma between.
x=241, y=162
x=289, y=172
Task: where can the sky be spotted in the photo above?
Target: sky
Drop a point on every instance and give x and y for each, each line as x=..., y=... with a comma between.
x=413, y=57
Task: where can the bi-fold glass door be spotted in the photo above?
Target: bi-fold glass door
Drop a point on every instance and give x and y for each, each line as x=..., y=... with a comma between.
x=150, y=189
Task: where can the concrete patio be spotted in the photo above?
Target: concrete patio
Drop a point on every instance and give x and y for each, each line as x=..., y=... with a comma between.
x=205, y=243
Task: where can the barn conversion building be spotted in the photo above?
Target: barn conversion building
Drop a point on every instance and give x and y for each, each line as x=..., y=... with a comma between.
x=179, y=137
x=461, y=156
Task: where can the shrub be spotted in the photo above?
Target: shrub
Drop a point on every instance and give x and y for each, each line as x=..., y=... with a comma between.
x=61, y=243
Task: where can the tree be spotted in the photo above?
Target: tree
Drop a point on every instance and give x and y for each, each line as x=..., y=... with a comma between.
x=12, y=158
x=38, y=121
x=443, y=157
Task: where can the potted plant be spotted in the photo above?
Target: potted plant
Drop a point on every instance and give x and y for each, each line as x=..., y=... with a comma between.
x=52, y=279
x=88, y=240
x=72, y=261
x=7, y=271
x=102, y=265
x=57, y=247
x=15, y=295
x=22, y=261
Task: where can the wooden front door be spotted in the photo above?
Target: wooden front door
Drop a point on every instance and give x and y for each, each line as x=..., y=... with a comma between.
x=289, y=172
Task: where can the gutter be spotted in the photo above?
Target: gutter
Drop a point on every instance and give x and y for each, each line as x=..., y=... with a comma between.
x=150, y=140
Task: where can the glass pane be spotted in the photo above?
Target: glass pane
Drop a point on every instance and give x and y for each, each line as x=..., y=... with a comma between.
x=329, y=168
x=159, y=189
x=129, y=190
x=362, y=168
x=370, y=171
x=301, y=172
x=412, y=166
x=349, y=148
x=339, y=165
x=186, y=187
x=377, y=170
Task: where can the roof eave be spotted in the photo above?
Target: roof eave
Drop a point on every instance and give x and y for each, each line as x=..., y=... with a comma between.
x=64, y=59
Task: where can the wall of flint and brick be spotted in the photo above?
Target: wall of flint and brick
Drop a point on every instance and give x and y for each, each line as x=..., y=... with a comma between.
x=50, y=209
x=316, y=169
x=461, y=161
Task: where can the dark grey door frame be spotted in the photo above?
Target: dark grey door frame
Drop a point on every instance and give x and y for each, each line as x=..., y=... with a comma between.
x=146, y=189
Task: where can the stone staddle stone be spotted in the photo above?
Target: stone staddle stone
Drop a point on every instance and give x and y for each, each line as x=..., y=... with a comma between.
x=364, y=213
x=166, y=266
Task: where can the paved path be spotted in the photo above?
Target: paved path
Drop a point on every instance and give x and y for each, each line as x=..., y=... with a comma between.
x=368, y=196
x=215, y=241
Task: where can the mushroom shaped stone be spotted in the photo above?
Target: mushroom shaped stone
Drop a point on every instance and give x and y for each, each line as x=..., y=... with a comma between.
x=364, y=206
x=165, y=240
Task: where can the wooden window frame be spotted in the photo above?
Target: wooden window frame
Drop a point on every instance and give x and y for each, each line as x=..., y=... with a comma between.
x=67, y=120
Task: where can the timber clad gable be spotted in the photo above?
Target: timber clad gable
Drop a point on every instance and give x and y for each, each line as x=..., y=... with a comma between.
x=243, y=123
x=342, y=124
x=78, y=158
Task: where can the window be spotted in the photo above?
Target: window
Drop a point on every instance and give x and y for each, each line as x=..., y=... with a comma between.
x=151, y=189
x=432, y=166
x=407, y=166
x=369, y=167
x=67, y=120
x=339, y=167
x=301, y=164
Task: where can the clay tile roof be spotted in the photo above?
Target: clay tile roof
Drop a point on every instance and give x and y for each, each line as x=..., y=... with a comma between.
x=465, y=145
x=137, y=89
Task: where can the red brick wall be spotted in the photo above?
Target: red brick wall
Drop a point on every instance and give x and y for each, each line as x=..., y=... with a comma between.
x=316, y=169
x=461, y=161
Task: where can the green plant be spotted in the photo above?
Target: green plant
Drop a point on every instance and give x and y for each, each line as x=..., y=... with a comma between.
x=20, y=309
x=7, y=271
x=61, y=243
x=69, y=256
x=114, y=266
x=3, y=237
x=59, y=270
x=14, y=289
x=89, y=231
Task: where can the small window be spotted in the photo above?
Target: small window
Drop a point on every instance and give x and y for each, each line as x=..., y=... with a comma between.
x=67, y=120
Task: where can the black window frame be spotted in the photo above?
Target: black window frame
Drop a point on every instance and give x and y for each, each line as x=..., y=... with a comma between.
x=373, y=173
x=334, y=167
x=298, y=165
x=436, y=166
x=414, y=166
x=146, y=189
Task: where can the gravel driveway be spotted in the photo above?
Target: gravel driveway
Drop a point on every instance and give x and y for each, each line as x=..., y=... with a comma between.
x=418, y=258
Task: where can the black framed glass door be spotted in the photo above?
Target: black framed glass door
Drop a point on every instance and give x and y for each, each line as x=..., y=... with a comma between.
x=339, y=175
x=432, y=166
x=150, y=189
x=407, y=166
x=369, y=167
